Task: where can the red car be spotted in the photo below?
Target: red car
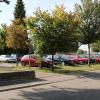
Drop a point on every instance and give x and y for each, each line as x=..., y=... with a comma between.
x=26, y=59
x=97, y=59
x=79, y=60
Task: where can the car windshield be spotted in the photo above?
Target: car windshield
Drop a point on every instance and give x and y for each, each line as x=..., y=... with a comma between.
x=27, y=56
x=56, y=57
x=73, y=56
x=65, y=56
x=80, y=56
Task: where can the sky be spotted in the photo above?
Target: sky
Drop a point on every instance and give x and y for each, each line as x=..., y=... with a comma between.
x=30, y=6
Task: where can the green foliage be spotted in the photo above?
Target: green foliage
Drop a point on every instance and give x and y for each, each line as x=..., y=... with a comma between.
x=54, y=32
x=19, y=12
x=96, y=46
x=89, y=12
x=17, y=37
x=1, y=43
x=5, y=1
x=2, y=36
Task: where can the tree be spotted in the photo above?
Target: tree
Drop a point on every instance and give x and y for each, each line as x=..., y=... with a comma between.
x=19, y=12
x=2, y=37
x=17, y=37
x=5, y=1
x=1, y=44
x=3, y=34
x=96, y=46
x=89, y=12
x=17, y=31
x=56, y=32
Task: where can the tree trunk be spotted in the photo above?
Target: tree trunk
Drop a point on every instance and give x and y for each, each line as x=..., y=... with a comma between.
x=29, y=57
x=16, y=58
x=88, y=55
x=52, y=66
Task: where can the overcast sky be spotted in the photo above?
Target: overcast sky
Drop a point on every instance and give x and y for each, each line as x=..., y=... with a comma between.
x=30, y=5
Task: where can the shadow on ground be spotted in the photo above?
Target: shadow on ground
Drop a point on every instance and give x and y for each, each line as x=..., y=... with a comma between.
x=87, y=74
x=20, y=81
x=60, y=94
x=80, y=73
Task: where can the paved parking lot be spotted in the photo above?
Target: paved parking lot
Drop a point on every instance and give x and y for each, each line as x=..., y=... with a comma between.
x=7, y=64
x=84, y=86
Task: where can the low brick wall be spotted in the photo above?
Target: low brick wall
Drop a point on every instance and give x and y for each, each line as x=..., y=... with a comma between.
x=17, y=75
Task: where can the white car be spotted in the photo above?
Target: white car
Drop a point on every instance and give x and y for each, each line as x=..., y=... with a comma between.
x=4, y=58
x=7, y=58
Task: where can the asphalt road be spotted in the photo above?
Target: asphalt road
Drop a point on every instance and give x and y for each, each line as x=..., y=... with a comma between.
x=86, y=87
x=7, y=64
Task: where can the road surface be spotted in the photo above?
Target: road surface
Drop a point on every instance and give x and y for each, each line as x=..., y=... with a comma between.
x=80, y=87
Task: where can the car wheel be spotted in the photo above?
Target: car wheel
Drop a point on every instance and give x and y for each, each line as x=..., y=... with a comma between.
x=80, y=62
x=23, y=64
x=63, y=63
x=7, y=61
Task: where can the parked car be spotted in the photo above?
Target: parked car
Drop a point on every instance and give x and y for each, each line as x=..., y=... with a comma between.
x=4, y=58
x=93, y=59
x=79, y=59
x=11, y=59
x=18, y=57
x=26, y=59
x=61, y=58
x=57, y=59
x=7, y=58
x=68, y=60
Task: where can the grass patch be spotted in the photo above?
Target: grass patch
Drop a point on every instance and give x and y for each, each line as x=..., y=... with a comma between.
x=15, y=69
x=58, y=69
x=23, y=68
x=63, y=69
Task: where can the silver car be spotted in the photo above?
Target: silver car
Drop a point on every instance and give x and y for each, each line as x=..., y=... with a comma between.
x=7, y=58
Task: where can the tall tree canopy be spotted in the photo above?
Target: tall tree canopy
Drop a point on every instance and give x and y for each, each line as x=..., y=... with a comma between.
x=89, y=12
x=54, y=32
x=17, y=37
x=19, y=12
x=2, y=36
